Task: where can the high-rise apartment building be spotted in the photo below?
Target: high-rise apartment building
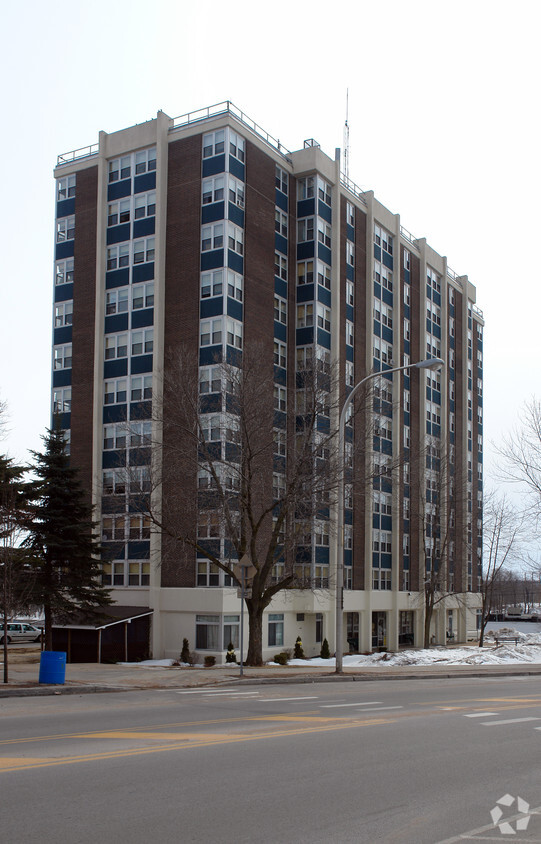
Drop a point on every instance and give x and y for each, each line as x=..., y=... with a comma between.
x=204, y=232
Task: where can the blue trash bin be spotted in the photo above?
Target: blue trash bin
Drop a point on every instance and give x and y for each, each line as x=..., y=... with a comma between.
x=52, y=668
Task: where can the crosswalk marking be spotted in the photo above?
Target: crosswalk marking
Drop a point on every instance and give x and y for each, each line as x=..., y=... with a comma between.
x=278, y=699
x=508, y=721
x=359, y=703
x=480, y=714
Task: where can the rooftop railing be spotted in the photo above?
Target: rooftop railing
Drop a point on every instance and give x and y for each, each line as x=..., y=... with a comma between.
x=83, y=152
x=347, y=183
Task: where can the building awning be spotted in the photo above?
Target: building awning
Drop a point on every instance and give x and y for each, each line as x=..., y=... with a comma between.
x=106, y=617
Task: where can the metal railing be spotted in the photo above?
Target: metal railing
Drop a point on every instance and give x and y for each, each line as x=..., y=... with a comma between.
x=407, y=235
x=227, y=107
x=83, y=152
x=352, y=187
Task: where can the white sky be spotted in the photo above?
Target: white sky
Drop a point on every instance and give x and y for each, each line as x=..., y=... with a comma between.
x=443, y=114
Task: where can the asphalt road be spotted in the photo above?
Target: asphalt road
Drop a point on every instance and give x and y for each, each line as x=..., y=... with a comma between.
x=420, y=761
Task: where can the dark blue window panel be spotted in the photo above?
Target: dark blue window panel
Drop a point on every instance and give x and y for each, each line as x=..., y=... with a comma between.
x=146, y=181
x=386, y=522
x=113, y=459
x=436, y=298
x=118, y=322
x=324, y=253
x=428, y=392
x=235, y=262
x=280, y=243
x=428, y=324
x=117, y=234
x=375, y=560
x=387, y=333
x=436, y=431
x=117, y=278
x=211, y=403
x=64, y=420
x=62, y=378
x=212, y=212
x=212, y=259
x=480, y=345
x=350, y=232
x=452, y=437
x=349, y=313
x=322, y=555
x=375, y=521
x=348, y=517
x=304, y=336
x=278, y=463
x=116, y=190
x=407, y=347
x=279, y=420
x=407, y=311
x=232, y=453
x=234, y=308
x=140, y=410
x=377, y=290
x=64, y=250
x=112, y=550
x=280, y=199
x=306, y=208
x=406, y=276
x=305, y=293
x=324, y=338
x=305, y=250
x=141, y=363
x=452, y=405
x=144, y=227
x=377, y=328
x=387, y=260
x=236, y=215
x=324, y=211
x=451, y=310
x=139, y=550
x=65, y=207
x=115, y=413
x=386, y=561
x=386, y=296
x=350, y=272
x=143, y=272
x=214, y=165
x=349, y=353
x=63, y=293
x=279, y=375
x=436, y=331
x=323, y=424
x=480, y=401
x=376, y=443
x=280, y=331
x=324, y=295
x=348, y=557
x=209, y=355
x=377, y=252
x=214, y=451
x=280, y=287
x=236, y=167
x=428, y=428
x=436, y=397
x=386, y=447
x=386, y=485
x=115, y=368
x=233, y=356
x=211, y=307
x=62, y=335
x=142, y=318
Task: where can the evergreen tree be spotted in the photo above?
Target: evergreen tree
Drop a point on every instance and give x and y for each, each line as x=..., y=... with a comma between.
x=325, y=651
x=61, y=541
x=185, y=652
x=230, y=655
x=299, y=650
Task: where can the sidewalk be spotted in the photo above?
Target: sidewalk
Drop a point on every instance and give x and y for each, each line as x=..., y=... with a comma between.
x=84, y=678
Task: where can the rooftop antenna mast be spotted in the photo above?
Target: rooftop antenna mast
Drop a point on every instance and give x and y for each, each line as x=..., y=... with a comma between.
x=346, y=140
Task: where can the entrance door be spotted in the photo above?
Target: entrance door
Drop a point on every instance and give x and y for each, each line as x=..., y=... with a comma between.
x=353, y=631
x=379, y=630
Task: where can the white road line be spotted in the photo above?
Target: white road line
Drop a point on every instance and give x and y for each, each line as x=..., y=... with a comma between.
x=508, y=721
x=273, y=699
x=236, y=694
x=195, y=691
x=480, y=714
x=382, y=708
x=336, y=705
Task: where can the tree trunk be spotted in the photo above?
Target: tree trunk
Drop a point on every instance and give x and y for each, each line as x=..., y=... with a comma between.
x=255, y=636
x=48, y=627
x=429, y=608
x=5, y=645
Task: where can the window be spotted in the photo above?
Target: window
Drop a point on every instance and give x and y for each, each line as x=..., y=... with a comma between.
x=383, y=276
x=384, y=239
x=235, y=239
x=305, y=188
x=139, y=527
x=145, y=205
x=236, y=192
x=141, y=388
x=62, y=357
x=118, y=212
x=305, y=230
x=279, y=353
x=115, y=391
x=114, y=436
x=350, y=296
x=324, y=191
x=213, y=189
x=211, y=332
x=236, y=145
x=279, y=442
x=143, y=250
x=276, y=629
x=305, y=272
x=383, y=313
x=142, y=342
x=280, y=266
x=214, y=143
x=64, y=271
x=63, y=314
x=305, y=315
x=116, y=346
x=65, y=188
x=211, y=284
x=324, y=275
x=114, y=482
x=143, y=295
x=210, y=380
x=120, y=168
x=212, y=237
x=324, y=232
x=116, y=301
x=280, y=310
x=113, y=528
x=280, y=398
x=210, y=428
x=350, y=253
x=208, y=574
x=231, y=630
x=407, y=294
x=349, y=332
x=280, y=222
x=433, y=280
x=350, y=214
x=323, y=317
x=207, y=632
x=281, y=180
x=234, y=333
x=118, y=256
x=145, y=161
x=234, y=285
x=350, y=382
x=321, y=532
x=65, y=229
x=62, y=400
x=208, y=525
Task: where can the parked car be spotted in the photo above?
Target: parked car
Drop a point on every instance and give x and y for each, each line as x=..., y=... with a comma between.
x=19, y=631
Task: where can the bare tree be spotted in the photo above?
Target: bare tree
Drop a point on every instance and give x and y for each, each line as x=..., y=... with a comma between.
x=521, y=453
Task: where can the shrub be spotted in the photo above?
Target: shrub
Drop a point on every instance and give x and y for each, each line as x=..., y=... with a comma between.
x=230, y=655
x=210, y=661
x=185, y=652
x=299, y=650
x=281, y=659
x=325, y=652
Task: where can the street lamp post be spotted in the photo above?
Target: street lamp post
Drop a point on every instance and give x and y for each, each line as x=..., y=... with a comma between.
x=431, y=363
